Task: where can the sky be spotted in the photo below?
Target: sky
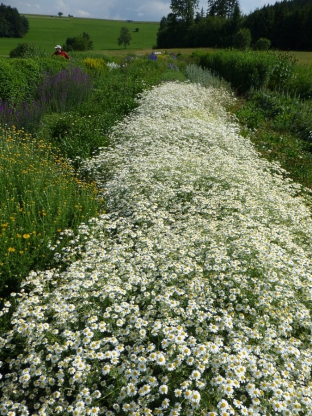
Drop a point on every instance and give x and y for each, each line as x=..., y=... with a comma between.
x=137, y=10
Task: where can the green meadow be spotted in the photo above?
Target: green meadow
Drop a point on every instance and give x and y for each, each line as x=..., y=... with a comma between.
x=48, y=31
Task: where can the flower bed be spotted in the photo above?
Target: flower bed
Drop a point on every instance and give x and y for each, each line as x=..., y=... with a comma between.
x=191, y=296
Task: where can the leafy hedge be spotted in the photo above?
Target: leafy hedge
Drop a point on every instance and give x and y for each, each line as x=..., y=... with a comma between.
x=19, y=78
x=250, y=69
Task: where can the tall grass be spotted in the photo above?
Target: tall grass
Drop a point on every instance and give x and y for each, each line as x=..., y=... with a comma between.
x=250, y=69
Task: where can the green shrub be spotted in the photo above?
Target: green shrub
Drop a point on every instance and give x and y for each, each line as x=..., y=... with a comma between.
x=79, y=43
x=124, y=37
x=262, y=44
x=250, y=69
x=31, y=70
x=301, y=82
x=12, y=82
x=76, y=135
x=281, y=72
x=20, y=77
x=27, y=50
x=242, y=39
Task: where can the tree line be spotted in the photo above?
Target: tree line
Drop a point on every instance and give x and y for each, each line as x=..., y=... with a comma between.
x=285, y=25
x=12, y=24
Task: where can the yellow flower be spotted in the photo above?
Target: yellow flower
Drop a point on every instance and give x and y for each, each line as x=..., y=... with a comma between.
x=26, y=235
x=11, y=249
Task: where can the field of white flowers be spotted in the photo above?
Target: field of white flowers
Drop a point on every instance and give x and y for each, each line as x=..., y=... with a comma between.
x=191, y=296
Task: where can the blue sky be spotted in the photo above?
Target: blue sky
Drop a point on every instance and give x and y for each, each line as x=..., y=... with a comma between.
x=142, y=10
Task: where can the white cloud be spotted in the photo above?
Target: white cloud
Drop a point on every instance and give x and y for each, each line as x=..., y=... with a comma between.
x=82, y=13
x=154, y=8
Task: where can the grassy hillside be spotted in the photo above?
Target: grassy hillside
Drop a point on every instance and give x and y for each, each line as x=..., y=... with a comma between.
x=47, y=31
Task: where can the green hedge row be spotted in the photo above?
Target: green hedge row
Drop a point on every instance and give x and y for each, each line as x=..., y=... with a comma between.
x=247, y=70
x=20, y=77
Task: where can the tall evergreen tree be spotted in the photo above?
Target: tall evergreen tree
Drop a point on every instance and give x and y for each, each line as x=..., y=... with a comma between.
x=222, y=8
x=184, y=9
x=287, y=24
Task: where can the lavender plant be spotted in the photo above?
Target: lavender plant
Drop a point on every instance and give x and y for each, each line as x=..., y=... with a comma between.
x=58, y=92
x=65, y=89
x=26, y=115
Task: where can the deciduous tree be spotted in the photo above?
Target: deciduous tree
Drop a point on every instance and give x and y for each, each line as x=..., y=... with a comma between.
x=124, y=37
x=79, y=43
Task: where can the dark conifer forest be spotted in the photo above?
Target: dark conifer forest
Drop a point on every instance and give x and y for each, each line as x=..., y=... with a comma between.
x=286, y=25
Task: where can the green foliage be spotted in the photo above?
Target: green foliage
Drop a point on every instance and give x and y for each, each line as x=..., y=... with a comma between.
x=301, y=82
x=184, y=10
x=31, y=71
x=282, y=71
x=79, y=43
x=78, y=134
x=27, y=50
x=242, y=39
x=75, y=134
x=11, y=82
x=41, y=197
x=124, y=37
x=286, y=24
x=31, y=88
x=278, y=106
x=222, y=8
x=250, y=69
x=262, y=44
x=203, y=77
x=12, y=24
x=280, y=126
